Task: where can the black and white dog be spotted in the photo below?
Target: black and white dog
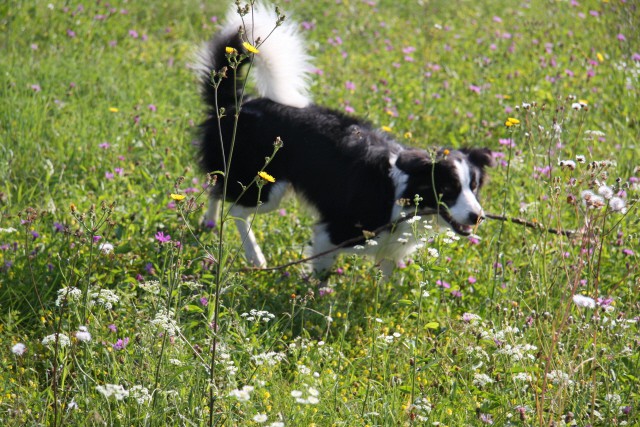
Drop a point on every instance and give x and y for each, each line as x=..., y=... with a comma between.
x=355, y=177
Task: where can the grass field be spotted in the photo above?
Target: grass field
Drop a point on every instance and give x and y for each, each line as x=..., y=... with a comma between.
x=112, y=297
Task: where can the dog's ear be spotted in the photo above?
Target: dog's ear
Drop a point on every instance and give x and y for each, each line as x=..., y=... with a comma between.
x=481, y=157
x=412, y=161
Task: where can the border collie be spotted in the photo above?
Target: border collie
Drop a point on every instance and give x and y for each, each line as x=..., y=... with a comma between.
x=356, y=177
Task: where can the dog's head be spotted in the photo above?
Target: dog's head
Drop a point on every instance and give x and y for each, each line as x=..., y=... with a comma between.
x=447, y=182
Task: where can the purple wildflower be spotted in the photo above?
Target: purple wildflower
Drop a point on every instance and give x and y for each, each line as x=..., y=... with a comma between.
x=162, y=238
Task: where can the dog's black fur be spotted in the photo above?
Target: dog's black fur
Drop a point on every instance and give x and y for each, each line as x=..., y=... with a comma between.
x=351, y=173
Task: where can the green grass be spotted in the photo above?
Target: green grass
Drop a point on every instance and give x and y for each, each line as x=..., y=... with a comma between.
x=99, y=110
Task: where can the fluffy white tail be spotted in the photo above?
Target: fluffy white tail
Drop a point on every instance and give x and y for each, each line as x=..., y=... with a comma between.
x=282, y=66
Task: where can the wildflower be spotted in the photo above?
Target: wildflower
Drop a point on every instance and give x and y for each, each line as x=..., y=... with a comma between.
x=580, y=159
x=140, y=394
x=265, y=176
x=559, y=378
x=270, y=358
x=480, y=380
x=567, y=164
x=83, y=334
x=250, y=48
x=62, y=339
x=120, y=344
x=260, y=418
x=433, y=252
x=68, y=294
x=583, y=301
x=113, y=109
x=605, y=191
x=511, y=122
x=19, y=349
x=177, y=197
x=386, y=128
x=115, y=390
x=243, y=395
x=106, y=248
x=105, y=298
x=162, y=238
x=165, y=320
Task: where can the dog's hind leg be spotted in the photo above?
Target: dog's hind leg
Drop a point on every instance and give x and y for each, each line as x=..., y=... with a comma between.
x=252, y=250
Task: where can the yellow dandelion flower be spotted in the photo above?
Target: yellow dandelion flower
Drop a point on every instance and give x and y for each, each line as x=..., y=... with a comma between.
x=446, y=152
x=511, y=122
x=177, y=197
x=408, y=135
x=113, y=109
x=386, y=128
x=230, y=50
x=250, y=48
x=600, y=57
x=266, y=177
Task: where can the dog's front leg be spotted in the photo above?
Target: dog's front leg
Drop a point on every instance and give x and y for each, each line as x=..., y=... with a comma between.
x=252, y=250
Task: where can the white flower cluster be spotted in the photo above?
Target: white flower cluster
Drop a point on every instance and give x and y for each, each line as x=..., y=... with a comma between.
x=388, y=339
x=104, y=297
x=258, y=316
x=421, y=408
x=115, y=390
x=140, y=394
x=559, y=378
x=68, y=294
x=165, y=320
x=270, y=358
x=481, y=380
x=227, y=363
x=521, y=377
x=308, y=398
x=243, y=394
x=151, y=286
x=62, y=339
x=517, y=352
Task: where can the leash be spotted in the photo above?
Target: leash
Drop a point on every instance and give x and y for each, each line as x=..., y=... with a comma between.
x=363, y=238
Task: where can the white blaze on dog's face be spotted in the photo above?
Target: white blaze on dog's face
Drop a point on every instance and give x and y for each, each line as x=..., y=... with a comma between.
x=466, y=210
x=449, y=184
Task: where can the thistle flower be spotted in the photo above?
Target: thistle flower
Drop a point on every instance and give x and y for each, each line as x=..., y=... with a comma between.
x=19, y=349
x=83, y=334
x=583, y=301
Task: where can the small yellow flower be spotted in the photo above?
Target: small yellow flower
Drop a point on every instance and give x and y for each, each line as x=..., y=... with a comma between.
x=266, y=177
x=386, y=128
x=230, y=50
x=408, y=135
x=177, y=197
x=511, y=122
x=113, y=109
x=600, y=57
x=251, y=48
x=583, y=102
x=446, y=152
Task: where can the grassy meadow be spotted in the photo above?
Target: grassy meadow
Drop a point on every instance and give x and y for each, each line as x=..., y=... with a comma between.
x=118, y=309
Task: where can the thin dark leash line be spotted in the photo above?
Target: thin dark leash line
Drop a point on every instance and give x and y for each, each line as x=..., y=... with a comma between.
x=363, y=239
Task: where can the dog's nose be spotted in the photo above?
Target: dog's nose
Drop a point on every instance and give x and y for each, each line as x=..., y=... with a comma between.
x=475, y=218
